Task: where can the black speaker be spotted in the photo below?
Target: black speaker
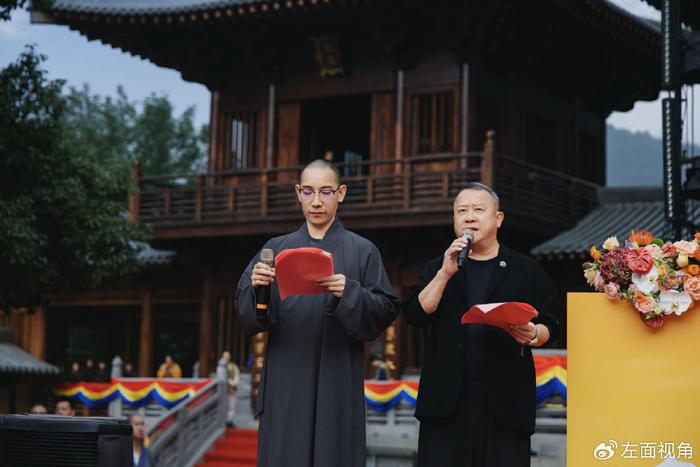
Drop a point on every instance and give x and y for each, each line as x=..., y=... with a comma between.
x=53, y=440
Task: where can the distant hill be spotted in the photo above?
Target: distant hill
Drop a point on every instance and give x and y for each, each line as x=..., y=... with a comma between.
x=634, y=159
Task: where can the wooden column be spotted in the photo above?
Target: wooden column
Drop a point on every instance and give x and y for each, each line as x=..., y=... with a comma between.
x=464, y=111
x=398, y=123
x=488, y=163
x=147, y=336
x=134, y=192
x=205, y=320
x=37, y=344
x=270, y=141
x=214, y=123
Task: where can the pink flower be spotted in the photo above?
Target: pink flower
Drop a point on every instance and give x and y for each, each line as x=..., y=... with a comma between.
x=644, y=303
x=692, y=287
x=674, y=280
x=598, y=282
x=612, y=291
x=669, y=250
x=684, y=246
x=639, y=260
x=655, y=250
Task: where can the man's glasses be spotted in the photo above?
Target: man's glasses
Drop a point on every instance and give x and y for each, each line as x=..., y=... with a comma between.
x=325, y=194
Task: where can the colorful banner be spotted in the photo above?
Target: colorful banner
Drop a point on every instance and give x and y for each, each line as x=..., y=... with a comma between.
x=550, y=376
x=135, y=393
x=384, y=396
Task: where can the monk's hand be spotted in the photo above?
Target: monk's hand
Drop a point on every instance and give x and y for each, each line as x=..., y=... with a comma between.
x=263, y=274
x=449, y=259
x=335, y=284
x=522, y=333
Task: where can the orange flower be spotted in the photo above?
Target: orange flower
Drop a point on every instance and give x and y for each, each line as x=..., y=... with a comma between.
x=696, y=255
x=641, y=237
x=697, y=235
x=692, y=269
x=595, y=254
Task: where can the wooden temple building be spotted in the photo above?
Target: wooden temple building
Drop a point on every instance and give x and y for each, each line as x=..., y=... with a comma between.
x=412, y=99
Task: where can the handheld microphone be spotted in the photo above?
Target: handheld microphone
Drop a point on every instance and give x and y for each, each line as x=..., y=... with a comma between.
x=262, y=292
x=468, y=235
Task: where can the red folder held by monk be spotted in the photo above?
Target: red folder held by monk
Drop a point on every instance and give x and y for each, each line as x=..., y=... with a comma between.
x=297, y=270
x=500, y=314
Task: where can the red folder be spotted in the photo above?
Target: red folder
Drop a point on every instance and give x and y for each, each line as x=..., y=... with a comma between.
x=500, y=314
x=297, y=270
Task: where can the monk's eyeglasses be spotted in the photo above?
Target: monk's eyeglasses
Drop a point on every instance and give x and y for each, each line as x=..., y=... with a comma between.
x=325, y=194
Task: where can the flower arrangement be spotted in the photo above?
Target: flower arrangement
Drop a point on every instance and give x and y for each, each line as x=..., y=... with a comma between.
x=659, y=278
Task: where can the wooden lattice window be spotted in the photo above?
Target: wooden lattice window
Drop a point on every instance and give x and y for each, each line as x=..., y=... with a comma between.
x=433, y=122
x=242, y=140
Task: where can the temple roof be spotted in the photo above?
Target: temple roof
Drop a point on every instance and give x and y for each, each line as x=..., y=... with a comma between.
x=622, y=210
x=16, y=361
x=150, y=7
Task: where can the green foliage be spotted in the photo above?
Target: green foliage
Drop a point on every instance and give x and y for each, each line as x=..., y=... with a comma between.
x=62, y=223
x=118, y=131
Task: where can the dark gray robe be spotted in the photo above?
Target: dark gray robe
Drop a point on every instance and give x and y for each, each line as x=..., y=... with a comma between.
x=311, y=399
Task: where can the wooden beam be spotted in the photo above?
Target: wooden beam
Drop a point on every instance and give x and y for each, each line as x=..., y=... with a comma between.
x=147, y=337
x=205, y=320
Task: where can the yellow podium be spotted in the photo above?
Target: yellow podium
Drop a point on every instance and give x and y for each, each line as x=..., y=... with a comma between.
x=633, y=391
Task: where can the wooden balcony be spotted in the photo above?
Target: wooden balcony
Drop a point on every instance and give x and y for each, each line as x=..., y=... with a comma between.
x=410, y=192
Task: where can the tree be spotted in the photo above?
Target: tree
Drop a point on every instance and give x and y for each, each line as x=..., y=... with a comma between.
x=62, y=225
x=118, y=131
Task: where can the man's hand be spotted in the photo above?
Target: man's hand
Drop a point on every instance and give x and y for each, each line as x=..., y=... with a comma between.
x=335, y=284
x=449, y=260
x=523, y=333
x=262, y=274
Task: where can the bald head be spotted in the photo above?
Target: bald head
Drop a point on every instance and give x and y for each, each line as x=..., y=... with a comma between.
x=324, y=165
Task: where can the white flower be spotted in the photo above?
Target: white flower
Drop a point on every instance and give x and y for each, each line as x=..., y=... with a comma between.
x=673, y=301
x=590, y=274
x=611, y=243
x=646, y=283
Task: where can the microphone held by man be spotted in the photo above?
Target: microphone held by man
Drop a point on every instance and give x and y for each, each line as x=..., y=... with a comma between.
x=264, y=274
x=468, y=235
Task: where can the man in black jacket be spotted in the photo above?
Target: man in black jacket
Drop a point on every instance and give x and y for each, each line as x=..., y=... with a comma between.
x=476, y=401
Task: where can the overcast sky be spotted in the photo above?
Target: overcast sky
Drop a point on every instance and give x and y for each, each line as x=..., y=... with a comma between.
x=73, y=58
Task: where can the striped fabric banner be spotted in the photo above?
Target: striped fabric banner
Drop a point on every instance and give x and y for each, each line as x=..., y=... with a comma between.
x=550, y=379
x=132, y=393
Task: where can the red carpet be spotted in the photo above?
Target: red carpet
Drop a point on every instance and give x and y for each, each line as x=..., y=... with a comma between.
x=237, y=448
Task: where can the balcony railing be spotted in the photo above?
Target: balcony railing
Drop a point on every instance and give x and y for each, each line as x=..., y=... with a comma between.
x=379, y=191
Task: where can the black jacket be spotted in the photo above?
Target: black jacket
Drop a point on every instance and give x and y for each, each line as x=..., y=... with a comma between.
x=510, y=371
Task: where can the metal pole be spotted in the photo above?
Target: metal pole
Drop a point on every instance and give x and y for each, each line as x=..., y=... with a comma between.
x=674, y=207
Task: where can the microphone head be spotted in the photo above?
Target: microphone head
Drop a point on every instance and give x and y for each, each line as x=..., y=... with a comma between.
x=266, y=255
x=468, y=234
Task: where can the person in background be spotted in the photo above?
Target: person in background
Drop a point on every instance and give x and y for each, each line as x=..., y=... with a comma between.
x=64, y=407
x=138, y=425
x=169, y=369
x=88, y=374
x=74, y=375
x=232, y=379
x=103, y=375
x=129, y=371
x=38, y=409
x=380, y=370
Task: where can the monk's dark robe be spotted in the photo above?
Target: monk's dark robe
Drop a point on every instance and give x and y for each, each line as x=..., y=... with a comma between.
x=311, y=397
